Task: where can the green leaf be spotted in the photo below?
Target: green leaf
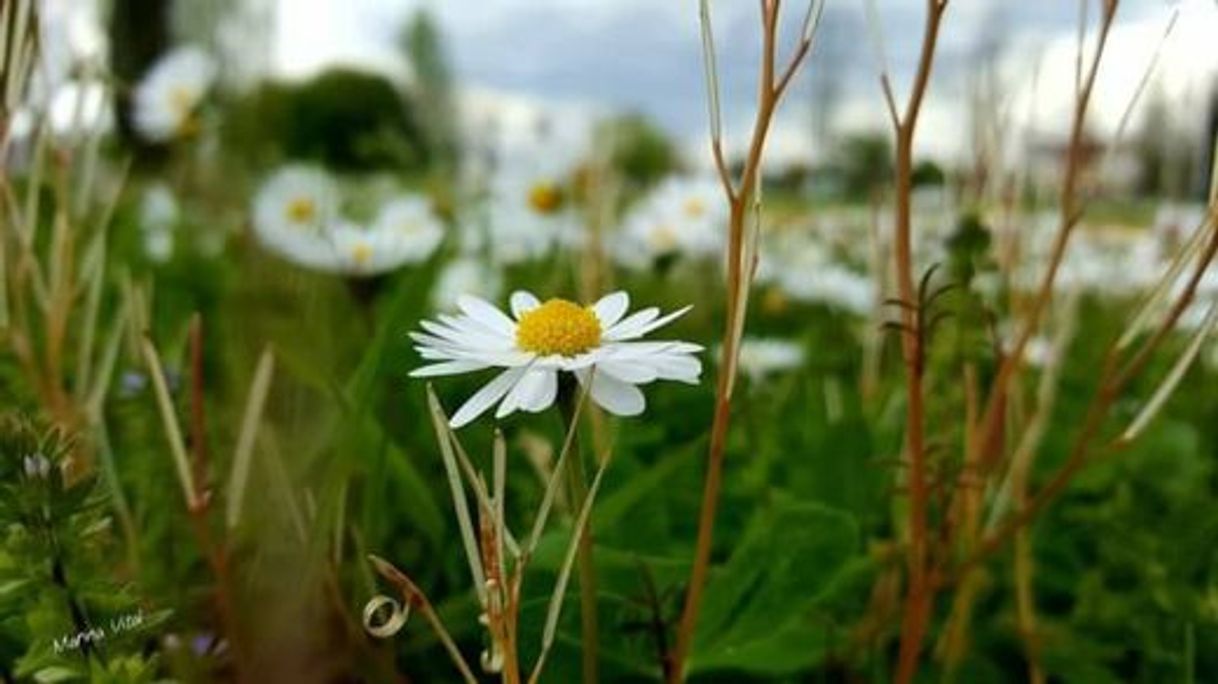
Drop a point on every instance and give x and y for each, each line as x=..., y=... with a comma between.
x=614, y=505
x=48, y=675
x=757, y=615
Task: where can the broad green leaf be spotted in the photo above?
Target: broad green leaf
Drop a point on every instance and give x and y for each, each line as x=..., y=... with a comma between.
x=757, y=612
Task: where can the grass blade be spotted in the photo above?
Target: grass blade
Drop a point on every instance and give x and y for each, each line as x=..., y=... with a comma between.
x=169, y=419
x=468, y=540
x=564, y=575
x=250, y=420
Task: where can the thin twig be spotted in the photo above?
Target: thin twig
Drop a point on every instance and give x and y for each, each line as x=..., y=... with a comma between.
x=741, y=262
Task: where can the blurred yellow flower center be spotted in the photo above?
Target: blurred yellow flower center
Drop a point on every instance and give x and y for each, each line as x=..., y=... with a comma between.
x=301, y=210
x=182, y=101
x=545, y=197
x=663, y=238
x=558, y=327
x=361, y=254
x=695, y=207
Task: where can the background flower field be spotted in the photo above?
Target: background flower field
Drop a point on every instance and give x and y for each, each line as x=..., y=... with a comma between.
x=217, y=282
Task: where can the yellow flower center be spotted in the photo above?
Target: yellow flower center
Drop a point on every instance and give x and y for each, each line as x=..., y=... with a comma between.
x=545, y=197
x=301, y=210
x=695, y=207
x=558, y=327
x=361, y=254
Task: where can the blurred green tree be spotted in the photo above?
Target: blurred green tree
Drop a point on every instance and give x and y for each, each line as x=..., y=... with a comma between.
x=346, y=119
x=640, y=150
x=927, y=174
x=1165, y=155
x=865, y=162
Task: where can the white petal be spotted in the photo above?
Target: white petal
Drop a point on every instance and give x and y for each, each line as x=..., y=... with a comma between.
x=610, y=308
x=621, y=332
x=681, y=368
x=483, y=312
x=543, y=390
x=634, y=320
x=509, y=404
x=522, y=302
x=628, y=371
x=635, y=350
x=486, y=397
x=535, y=391
x=589, y=358
x=613, y=395
x=447, y=368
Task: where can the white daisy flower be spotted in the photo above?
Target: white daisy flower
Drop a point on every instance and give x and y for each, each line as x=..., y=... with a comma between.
x=294, y=212
x=295, y=200
x=410, y=225
x=686, y=216
x=296, y=215
x=599, y=344
x=165, y=103
x=529, y=212
x=365, y=251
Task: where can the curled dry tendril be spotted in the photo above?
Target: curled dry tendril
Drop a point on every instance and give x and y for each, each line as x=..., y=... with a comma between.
x=398, y=616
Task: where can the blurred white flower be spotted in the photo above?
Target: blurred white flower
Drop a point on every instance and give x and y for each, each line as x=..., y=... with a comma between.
x=1039, y=352
x=296, y=215
x=1114, y=264
x=410, y=225
x=832, y=285
x=685, y=216
x=368, y=251
x=295, y=200
x=166, y=101
x=465, y=275
x=807, y=272
x=760, y=357
x=158, y=207
x=529, y=208
x=36, y=466
x=1174, y=222
x=158, y=245
x=159, y=215
x=598, y=344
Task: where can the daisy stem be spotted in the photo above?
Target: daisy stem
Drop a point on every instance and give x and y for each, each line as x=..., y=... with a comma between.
x=577, y=484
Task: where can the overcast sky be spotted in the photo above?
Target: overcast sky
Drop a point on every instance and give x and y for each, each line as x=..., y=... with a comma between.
x=644, y=55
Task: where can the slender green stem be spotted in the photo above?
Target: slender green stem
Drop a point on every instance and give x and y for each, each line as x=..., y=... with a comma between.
x=577, y=484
